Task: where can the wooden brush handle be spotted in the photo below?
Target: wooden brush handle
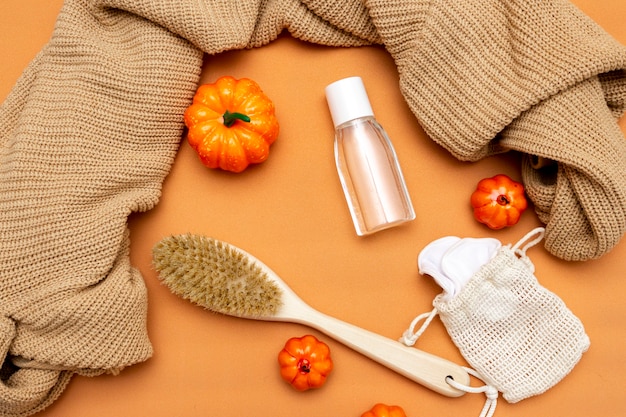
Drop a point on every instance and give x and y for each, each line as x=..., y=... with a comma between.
x=424, y=368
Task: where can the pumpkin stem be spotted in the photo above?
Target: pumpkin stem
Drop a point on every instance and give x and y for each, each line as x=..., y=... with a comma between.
x=231, y=118
x=305, y=366
x=502, y=200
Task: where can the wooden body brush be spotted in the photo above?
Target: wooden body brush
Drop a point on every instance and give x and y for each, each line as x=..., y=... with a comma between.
x=228, y=280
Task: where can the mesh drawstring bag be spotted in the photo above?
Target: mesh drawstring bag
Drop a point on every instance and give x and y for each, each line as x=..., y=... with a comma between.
x=518, y=337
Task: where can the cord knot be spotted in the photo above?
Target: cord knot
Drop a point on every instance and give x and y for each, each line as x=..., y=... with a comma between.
x=410, y=335
x=491, y=392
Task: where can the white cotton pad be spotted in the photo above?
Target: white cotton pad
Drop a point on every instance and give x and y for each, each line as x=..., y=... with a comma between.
x=451, y=261
x=461, y=261
x=429, y=261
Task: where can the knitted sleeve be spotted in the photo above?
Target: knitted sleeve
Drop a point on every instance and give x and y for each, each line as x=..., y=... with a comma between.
x=88, y=135
x=488, y=76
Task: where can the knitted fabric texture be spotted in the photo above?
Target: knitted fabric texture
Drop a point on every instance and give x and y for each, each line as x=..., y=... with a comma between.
x=486, y=76
x=90, y=131
x=520, y=337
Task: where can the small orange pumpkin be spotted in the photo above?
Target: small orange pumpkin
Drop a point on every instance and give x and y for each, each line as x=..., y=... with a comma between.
x=231, y=123
x=383, y=410
x=305, y=362
x=498, y=201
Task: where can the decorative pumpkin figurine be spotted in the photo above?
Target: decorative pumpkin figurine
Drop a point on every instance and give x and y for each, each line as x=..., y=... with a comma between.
x=231, y=123
x=305, y=362
x=383, y=410
x=498, y=201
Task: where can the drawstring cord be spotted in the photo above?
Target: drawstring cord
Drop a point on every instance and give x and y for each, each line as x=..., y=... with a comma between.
x=519, y=250
x=409, y=338
x=539, y=231
x=490, y=392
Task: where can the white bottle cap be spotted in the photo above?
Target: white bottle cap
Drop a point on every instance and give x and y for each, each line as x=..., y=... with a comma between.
x=347, y=100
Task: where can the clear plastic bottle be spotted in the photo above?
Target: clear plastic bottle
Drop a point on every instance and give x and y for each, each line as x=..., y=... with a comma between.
x=368, y=168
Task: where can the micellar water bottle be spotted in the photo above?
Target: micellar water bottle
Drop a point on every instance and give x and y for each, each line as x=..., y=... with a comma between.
x=367, y=164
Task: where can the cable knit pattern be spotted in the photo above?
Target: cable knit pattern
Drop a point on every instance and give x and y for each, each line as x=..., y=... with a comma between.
x=91, y=129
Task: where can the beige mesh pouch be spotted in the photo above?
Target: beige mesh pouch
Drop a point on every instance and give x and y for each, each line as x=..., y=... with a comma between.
x=518, y=336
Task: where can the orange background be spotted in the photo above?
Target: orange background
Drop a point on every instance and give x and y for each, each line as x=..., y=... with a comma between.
x=290, y=213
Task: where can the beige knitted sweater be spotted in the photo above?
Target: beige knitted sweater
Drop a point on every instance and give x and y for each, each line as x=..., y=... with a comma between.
x=90, y=131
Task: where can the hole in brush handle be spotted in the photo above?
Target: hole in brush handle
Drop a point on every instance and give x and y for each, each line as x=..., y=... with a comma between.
x=422, y=367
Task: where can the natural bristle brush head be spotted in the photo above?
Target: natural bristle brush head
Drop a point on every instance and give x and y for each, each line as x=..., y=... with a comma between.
x=215, y=275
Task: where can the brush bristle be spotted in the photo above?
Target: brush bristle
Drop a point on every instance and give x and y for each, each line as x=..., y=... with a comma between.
x=215, y=275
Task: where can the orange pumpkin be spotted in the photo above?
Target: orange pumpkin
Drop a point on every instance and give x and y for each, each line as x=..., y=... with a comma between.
x=231, y=123
x=305, y=362
x=498, y=201
x=383, y=410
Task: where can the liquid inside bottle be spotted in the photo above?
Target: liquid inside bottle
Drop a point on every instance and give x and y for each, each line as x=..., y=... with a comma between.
x=366, y=161
x=371, y=177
